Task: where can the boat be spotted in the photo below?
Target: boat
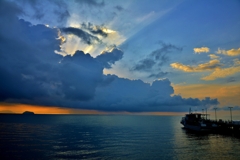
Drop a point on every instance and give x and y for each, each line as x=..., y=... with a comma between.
x=197, y=122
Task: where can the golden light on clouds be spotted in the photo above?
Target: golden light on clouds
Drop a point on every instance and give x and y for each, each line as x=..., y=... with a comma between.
x=213, y=56
x=114, y=37
x=211, y=65
x=231, y=52
x=236, y=62
x=106, y=30
x=228, y=95
x=221, y=73
x=88, y=49
x=70, y=43
x=202, y=49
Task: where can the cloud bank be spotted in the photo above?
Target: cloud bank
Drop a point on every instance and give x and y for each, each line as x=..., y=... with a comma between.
x=31, y=73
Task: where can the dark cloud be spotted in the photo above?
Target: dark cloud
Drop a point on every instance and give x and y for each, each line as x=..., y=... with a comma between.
x=98, y=30
x=144, y=65
x=156, y=58
x=62, y=15
x=87, y=75
x=119, y=8
x=9, y=10
x=158, y=75
x=109, y=58
x=56, y=10
x=31, y=69
x=86, y=37
x=88, y=32
x=165, y=48
x=35, y=5
x=231, y=79
x=31, y=73
x=119, y=94
x=90, y=3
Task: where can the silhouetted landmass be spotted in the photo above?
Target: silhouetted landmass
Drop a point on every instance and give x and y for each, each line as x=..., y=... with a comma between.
x=28, y=113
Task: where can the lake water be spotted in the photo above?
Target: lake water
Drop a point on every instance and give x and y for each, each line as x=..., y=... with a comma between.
x=109, y=137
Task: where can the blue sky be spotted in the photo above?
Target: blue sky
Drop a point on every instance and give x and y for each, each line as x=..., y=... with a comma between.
x=107, y=55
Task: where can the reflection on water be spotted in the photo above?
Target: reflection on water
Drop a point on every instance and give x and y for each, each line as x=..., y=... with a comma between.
x=108, y=137
x=208, y=145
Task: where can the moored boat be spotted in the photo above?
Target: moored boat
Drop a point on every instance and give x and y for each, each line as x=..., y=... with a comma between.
x=197, y=122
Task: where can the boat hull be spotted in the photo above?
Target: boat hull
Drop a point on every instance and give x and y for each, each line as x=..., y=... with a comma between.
x=196, y=128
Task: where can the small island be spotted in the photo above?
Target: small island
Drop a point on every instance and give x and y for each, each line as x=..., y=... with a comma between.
x=28, y=113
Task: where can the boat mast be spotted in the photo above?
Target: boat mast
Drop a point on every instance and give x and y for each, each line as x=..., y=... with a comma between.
x=206, y=113
x=190, y=110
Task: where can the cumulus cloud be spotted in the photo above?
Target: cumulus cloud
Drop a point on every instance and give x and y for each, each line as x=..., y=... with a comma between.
x=134, y=95
x=31, y=70
x=87, y=75
x=109, y=58
x=221, y=73
x=231, y=52
x=211, y=65
x=31, y=73
x=201, y=49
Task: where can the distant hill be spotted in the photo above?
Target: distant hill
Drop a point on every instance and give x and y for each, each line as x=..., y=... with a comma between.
x=28, y=113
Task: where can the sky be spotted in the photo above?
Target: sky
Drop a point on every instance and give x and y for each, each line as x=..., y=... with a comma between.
x=104, y=56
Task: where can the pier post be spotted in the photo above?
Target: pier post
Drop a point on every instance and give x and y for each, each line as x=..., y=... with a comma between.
x=215, y=113
x=230, y=112
x=206, y=113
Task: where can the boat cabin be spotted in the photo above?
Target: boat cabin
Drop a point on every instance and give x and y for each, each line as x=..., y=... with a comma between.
x=196, y=116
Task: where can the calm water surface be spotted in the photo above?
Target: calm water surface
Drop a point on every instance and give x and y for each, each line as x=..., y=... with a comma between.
x=109, y=137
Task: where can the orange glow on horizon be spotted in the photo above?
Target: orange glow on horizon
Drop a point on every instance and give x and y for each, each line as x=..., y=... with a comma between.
x=20, y=108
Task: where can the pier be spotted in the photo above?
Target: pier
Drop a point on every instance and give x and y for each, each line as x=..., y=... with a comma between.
x=226, y=125
x=199, y=122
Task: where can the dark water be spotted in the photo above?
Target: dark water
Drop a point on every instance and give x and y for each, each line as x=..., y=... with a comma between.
x=109, y=137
